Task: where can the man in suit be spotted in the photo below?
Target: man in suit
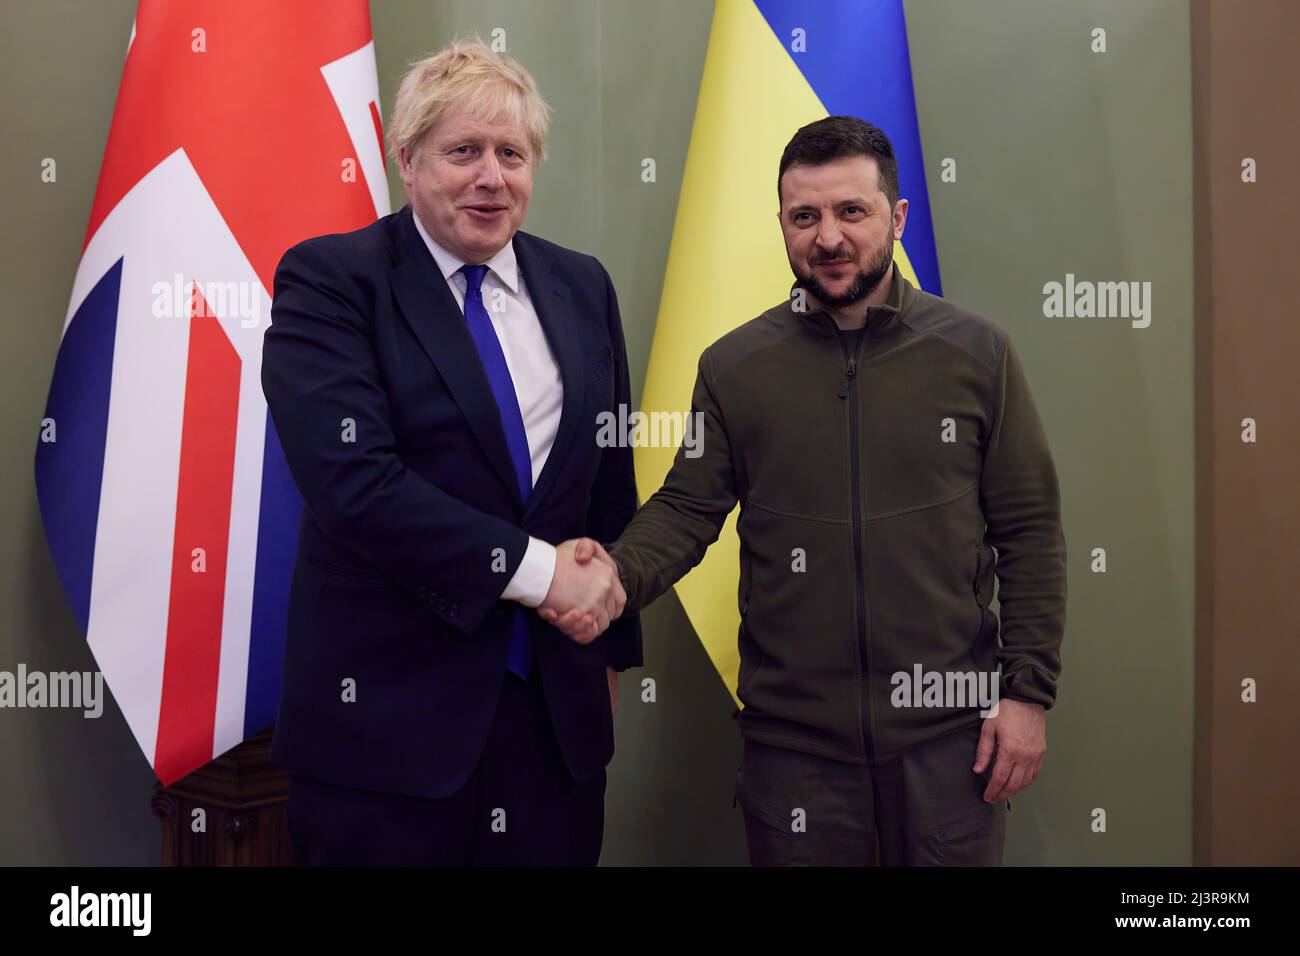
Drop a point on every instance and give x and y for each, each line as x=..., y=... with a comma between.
x=435, y=380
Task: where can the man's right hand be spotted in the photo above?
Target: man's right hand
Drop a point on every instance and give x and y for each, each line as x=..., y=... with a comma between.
x=585, y=595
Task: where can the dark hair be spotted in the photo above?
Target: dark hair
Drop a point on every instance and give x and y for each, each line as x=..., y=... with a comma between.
x=836, y=137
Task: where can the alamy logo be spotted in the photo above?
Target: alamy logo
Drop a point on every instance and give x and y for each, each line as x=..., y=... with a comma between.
x=180, y=299
x=77, y=690
x=1102, y=300
x=922, y=688
x=651, y=430
x=75, y=908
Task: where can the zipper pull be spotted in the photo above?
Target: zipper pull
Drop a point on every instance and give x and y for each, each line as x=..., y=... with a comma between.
x=848, y=378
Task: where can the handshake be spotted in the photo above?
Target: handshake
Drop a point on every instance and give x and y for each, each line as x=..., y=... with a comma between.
x=585, y=594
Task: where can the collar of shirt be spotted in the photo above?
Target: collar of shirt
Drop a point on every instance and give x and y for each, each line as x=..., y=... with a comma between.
x=503, y=264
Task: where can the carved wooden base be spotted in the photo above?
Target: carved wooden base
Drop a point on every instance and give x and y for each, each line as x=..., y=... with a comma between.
x=230, y=812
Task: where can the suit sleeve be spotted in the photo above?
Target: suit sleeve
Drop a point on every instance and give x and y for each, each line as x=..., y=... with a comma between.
x=331, y=413
x=1021, y=502
x=613, y=496
x=671, y=532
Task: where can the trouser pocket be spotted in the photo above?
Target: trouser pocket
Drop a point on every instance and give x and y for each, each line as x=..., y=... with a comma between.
x=937, y=806
x=804, y=810
x=977, y=839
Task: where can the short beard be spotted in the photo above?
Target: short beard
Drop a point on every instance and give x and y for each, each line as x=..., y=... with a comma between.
x=864, y=283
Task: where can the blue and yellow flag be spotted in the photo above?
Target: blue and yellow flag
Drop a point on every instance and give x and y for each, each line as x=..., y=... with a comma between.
x=772, y=66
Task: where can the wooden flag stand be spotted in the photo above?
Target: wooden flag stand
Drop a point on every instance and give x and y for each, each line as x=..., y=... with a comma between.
x=243, y=799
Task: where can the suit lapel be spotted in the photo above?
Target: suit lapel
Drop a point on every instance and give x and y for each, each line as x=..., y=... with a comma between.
x=430, y=309
x=550, y=296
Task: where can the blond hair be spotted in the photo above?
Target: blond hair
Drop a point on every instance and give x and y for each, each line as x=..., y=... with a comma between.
x=467, y=76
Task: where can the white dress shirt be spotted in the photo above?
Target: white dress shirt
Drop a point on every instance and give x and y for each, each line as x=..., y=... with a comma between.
x=536, y=377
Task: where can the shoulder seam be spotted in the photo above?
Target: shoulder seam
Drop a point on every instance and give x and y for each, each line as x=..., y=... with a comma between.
x=997, y=331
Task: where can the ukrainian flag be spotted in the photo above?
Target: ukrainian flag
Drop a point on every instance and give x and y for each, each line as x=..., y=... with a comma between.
x=772, y=66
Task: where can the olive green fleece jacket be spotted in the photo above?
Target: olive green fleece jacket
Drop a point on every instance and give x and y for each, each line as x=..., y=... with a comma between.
x=878, y=492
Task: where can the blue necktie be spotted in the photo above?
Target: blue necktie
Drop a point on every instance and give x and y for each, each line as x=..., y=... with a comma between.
x=520, y=659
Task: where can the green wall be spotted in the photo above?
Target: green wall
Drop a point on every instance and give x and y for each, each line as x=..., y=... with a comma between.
x=1077, y=162
x=1067, y=161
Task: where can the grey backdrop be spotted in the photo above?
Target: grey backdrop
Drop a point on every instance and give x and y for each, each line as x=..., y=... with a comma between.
x=1068, y=161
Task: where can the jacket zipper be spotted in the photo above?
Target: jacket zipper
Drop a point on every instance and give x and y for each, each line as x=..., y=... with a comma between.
x=864, y=647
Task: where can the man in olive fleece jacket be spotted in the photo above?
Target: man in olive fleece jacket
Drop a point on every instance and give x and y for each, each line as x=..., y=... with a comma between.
x=889, y=438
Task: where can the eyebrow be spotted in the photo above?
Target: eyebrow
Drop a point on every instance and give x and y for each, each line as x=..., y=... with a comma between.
x=452, y=142
x=864, y=203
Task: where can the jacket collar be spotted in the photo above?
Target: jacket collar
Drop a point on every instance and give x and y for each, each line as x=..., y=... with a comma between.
x=881, y=319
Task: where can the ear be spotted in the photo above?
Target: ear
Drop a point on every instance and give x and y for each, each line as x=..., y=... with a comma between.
x=405, y=162
x=900, y=218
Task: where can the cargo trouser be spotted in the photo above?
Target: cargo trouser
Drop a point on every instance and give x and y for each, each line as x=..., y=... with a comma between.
x=923, y=808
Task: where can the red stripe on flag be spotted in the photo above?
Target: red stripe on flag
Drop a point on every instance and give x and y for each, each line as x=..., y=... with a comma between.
x=379, y=131
x=192, y=661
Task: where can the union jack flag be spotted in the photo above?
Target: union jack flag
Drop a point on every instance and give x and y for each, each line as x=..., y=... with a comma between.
x=240, y=128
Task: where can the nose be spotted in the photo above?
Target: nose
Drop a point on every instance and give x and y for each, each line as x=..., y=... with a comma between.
x=489, y=172
x=829, y=235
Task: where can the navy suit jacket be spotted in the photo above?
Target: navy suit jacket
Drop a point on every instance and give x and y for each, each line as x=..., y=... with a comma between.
x=414, y=523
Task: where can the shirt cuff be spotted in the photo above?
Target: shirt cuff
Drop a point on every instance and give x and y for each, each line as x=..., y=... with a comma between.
x=533, y=576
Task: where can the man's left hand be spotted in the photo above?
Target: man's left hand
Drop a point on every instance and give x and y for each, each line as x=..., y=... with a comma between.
x=1019, y=732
